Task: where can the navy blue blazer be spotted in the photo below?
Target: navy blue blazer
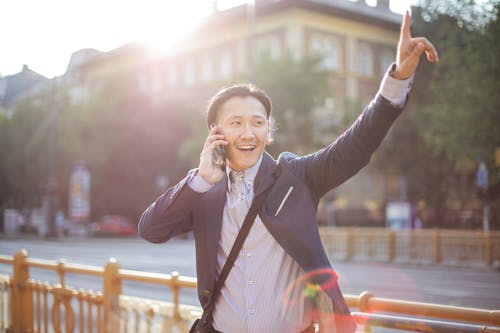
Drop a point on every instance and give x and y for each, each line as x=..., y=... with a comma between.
x=180, y=209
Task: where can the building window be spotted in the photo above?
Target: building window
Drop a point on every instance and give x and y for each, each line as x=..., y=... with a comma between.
x=207, y=69
x=387, y=57
x=189, y=73
x=268, y=46
x=77, y=94
x=365, y=60
x=225, y=64
x=329, y=49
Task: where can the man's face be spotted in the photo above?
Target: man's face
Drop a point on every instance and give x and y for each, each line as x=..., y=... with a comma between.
x=244, y=124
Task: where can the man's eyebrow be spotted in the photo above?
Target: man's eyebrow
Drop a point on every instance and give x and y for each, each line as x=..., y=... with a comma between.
x=259, y=116
x=237, y=116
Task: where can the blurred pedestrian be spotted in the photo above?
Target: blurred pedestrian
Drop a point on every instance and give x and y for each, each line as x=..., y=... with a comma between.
x=283, y=245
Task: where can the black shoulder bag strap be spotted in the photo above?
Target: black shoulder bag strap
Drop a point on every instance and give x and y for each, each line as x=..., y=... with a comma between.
x=205, y=322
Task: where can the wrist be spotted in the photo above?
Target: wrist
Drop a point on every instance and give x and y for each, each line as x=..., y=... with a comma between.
x=395, y=73
x=199, y=184
x=204, y=177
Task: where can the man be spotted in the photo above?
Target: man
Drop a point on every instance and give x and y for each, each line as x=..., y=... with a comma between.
x=282, y=280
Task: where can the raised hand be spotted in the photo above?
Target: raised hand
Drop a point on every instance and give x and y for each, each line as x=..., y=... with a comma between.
x=409, y=51
x=207, y=168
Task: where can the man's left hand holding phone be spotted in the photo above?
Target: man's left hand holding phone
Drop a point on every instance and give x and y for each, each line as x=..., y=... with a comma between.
x=212, y=158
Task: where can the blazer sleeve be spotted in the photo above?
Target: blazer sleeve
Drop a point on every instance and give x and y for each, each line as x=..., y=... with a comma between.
x=170, y=214
x=340, y=160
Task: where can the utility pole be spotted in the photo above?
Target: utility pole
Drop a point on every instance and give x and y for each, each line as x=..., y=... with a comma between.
x=52, y=186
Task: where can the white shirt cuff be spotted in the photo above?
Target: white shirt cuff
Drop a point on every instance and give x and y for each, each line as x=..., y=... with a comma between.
x=198, y=184
x=394, y=90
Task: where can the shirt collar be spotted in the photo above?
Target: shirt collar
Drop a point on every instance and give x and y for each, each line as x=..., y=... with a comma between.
x=250, y=173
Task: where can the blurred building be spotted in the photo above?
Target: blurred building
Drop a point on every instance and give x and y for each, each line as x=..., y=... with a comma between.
x=357, y=42
x=14, y=88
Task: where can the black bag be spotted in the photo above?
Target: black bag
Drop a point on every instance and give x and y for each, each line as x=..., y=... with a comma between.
x=198, y=327
x=204, y=324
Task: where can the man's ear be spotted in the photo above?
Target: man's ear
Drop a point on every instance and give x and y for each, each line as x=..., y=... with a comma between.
x=269, y=138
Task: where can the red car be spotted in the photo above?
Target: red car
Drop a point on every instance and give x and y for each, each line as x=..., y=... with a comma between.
x=114, y=225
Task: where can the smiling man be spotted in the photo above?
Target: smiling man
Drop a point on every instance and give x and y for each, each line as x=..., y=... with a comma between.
x=281, y=280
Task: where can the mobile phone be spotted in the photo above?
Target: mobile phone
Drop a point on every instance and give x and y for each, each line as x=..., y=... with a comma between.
x=219, y=156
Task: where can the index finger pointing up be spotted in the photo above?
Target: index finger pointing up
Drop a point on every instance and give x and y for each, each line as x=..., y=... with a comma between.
x=405, y=26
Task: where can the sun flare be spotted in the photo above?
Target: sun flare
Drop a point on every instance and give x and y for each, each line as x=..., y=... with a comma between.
x=165, y=22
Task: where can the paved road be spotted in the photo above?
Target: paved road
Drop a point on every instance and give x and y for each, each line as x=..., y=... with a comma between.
x=462, y=286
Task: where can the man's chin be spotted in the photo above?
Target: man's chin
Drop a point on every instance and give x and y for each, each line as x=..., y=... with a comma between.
x=243, y=162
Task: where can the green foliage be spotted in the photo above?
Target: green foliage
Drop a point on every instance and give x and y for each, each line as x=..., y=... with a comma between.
x=125, y=140
x=24, y=148
x=453, y=111
x=464, y=110
x=127, y=143
x=296, y=88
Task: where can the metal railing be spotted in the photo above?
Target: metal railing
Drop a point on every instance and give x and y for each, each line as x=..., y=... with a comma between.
x=419, y=324
x=31, y=310
x=433, y=246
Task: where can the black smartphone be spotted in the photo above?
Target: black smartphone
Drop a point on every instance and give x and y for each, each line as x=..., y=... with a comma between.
x=219, y=155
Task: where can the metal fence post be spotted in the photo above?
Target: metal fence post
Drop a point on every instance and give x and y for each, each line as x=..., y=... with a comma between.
x=391, y=246
x=112, y=289
x=350, y=244
x=437, y=245
x=488, y=258
x=22, y=296
x=364, y=298
x=175, y=292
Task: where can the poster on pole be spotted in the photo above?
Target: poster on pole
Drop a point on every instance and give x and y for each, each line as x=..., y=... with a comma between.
x=79, y=192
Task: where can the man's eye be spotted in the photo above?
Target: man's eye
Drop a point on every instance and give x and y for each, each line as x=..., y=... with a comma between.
x=235, y=123
x=259, y=123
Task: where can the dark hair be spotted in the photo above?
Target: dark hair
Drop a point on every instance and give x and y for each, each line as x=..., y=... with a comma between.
x=238, y=90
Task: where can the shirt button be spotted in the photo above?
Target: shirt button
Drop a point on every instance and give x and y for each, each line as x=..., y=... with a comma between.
x=251, y=311
x=250, y=282
x=249, y=255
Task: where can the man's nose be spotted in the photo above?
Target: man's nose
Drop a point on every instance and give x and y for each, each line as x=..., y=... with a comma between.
x=248, y=131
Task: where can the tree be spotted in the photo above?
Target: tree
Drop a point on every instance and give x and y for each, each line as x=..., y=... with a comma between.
x=125, y=140
x=127, y=143
x=296, y=89
x=453, y=109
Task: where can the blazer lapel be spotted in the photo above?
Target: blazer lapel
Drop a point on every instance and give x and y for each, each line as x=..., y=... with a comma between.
x=215, y=201
x=266, y=175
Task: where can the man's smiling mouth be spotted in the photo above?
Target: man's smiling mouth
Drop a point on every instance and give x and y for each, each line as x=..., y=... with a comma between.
x=246, y=148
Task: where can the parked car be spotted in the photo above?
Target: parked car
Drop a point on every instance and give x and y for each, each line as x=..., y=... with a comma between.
x=113, y=225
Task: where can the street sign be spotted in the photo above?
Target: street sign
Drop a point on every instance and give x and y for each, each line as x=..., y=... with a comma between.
x=482, y=176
